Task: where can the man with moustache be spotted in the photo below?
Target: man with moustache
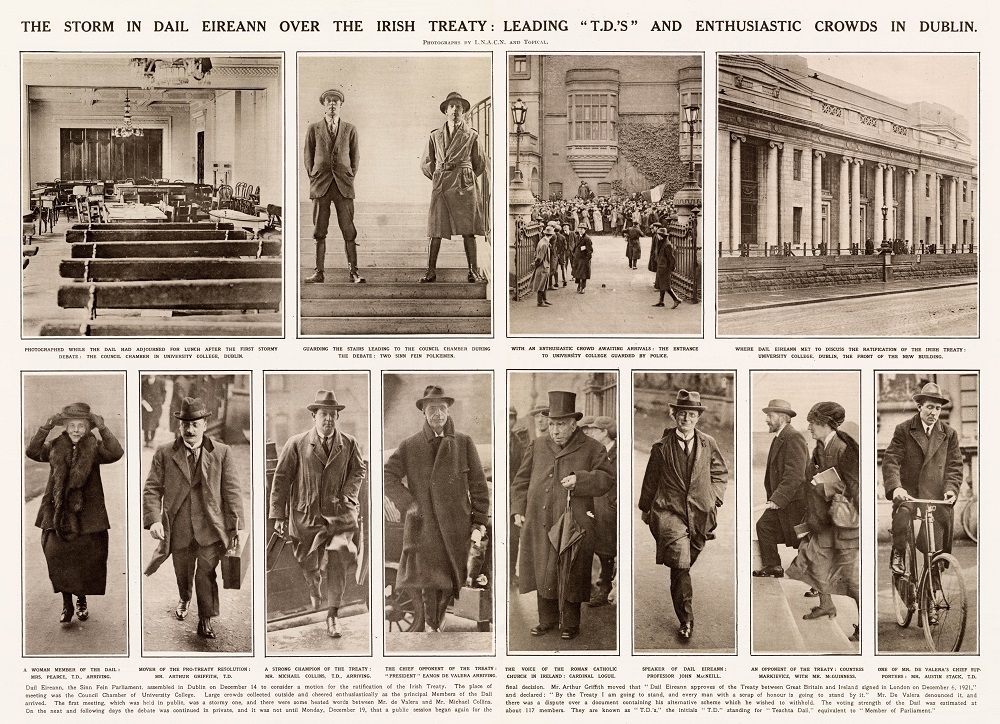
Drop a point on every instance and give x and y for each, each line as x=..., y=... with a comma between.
x=315, y=498
x=603, y=429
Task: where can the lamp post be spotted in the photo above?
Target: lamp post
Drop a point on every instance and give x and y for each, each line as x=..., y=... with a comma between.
x=518, y=111
x=691, y=114
x=885, y=216
x=689, y=196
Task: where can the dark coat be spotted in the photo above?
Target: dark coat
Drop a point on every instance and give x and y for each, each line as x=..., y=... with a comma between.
x=606, y=514
x=73, y=502
x=169, y=482
x=665, y=264
x=318, y=495
x=452, y=162
x=330, y=159
x=785, y=481
x=680, y=509
x=633, y=249
x=540, y=276
x=443, y=497
x=924, y=468
x=843, y=455
x=541, y=499
x=154, y=394
x=582, y=251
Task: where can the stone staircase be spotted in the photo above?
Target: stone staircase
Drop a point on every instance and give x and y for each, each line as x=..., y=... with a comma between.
x=392, y=256
x=778, y=626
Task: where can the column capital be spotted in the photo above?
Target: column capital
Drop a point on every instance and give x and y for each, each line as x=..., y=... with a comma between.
x=911, y=171
x=881, y=166
x=846, y=159
x=859, y=161
x=819, y=154
x=776, y=144
x=738, y=137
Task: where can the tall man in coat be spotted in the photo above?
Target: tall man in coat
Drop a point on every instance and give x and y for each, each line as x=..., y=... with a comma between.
x=661, y=261
x=315, y=499
x=446, y=501
x=923, y=460
x=331, y=156
x=564, y=470
x=452, y=161
x=685, y=482
x=192, y=502
x=784, y=481
x=603, y=429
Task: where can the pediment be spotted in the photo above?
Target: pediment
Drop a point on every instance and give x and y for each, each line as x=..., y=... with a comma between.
x=762, y=75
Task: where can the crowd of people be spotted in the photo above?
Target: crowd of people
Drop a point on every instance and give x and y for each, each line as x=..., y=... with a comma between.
x=605, y=214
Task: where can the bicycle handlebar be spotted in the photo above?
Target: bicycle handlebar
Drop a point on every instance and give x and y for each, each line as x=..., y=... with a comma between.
x=927, y=501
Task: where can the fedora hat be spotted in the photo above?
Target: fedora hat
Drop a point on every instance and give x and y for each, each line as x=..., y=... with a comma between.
x=562, y=404
x=434, y=393
x=931, y=391
x=453, y=96
x=779, y=406
x=325, y=400
x=688, y=401
x=335, y=92
x=538, y=410
x=192, y=408
x=76, y=411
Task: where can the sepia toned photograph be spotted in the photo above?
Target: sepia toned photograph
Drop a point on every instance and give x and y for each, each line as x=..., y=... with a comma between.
x=807, y=502
x=682, y=466
x=848, y=195
x=151, y=195
x=563, y=528
x=74, y=550
x=437, y=508
x=605, y=194
x=197, y=503
x=395, y=194
x=318, y=531
x=927, y=500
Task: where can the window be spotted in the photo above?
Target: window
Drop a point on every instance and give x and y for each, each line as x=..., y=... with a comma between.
x=796, y=224
x=927, y=185
x=863, y=177
x=972, y=198
x=604, y=189
x=593, y=116
x=555, y=190
x=965, y=190
x=796, y=165
x=519, y=67
x=965, y=231
x=826, y=172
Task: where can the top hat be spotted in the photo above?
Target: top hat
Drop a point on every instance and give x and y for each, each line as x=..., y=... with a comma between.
x=192, y=408
x=779, y=406
x=77, y=411
x=335, y=92
x=688, y=401
x=325, y=400
x=434, y=393
x=453, y=96
x=932, y=392
x=562, y=404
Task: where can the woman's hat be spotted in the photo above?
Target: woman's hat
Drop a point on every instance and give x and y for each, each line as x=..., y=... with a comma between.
x=562, y=404
x=453, y=96
x=779, y=406
x=77, y=411
x=688, y=401
x=325, y=400
x=831, y=414
x=931, y=392
x=433, y=393
x=192, y=408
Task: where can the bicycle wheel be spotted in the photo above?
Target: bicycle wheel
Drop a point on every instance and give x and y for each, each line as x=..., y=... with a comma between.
x=943, y=605
x=970, y=519
x=904, y=589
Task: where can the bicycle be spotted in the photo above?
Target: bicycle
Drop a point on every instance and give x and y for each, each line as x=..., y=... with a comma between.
x=938, y=594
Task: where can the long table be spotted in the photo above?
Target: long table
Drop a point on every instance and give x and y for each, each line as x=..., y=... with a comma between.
x=133, y=212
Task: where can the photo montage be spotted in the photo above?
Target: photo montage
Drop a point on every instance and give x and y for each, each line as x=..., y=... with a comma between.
x=605, y=200
x=154, y=193
x=395, y=194
x=848, y=190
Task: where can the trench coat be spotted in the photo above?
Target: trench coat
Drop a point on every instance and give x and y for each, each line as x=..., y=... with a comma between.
x=540, y=277
x=318, y=495
x=582, y=251
x=443, y=497
x=785, y=481
x=452, y=162
x=541, y=499
x=681, y=510
x=331, y=160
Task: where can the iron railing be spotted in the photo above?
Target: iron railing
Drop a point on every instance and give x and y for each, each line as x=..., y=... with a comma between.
x=526, y=236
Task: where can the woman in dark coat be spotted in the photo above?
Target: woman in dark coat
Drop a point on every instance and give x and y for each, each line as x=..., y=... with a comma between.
x=633, y=249
x=72, y=515
x=153, y=392
x=583, y=250
x=828, y=558
x=663, y=255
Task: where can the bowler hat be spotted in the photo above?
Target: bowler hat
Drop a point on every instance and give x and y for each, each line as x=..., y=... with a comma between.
x=192, y=408
x=779, y=406
x=562, y=404
x=931, y=392
x=688, y=401
x=77, y=411
x=453, y=96
x=325, y=400
x=434, y=393
x=335, y=92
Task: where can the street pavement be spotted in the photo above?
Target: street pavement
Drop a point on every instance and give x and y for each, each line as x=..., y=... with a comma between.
x=304, y=635
x=105, y=633
x=458, y=635
x=618, y=300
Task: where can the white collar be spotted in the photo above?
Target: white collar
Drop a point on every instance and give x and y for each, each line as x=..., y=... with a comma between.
x=681, y=437
x=828, y=438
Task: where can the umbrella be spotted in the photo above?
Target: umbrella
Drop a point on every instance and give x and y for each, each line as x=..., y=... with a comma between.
x=565, y=537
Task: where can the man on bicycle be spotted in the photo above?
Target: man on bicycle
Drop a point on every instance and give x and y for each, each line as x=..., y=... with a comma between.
x=923, y=460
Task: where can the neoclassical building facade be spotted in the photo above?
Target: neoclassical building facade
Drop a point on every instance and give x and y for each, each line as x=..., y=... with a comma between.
x=809, y=161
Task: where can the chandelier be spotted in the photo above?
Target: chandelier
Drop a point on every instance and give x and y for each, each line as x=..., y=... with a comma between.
x=158, y=72
x=126, y=129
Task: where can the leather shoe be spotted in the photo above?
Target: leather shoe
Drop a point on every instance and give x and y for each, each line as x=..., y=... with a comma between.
x=820, y=612
x=356, y=278
x=332, y=630
x=430, y=276
x=205, y=628
x=81, y=608
x=811, y=593
x=769, y=572
x=317, y=278
x=676, y=304
x=67, y=615
x=182, y=610
x=659, y=304
x=686, y=630
x=541, y=629
x=856, y=636
x=896, y=562
x=568, y=634
x=599, y=599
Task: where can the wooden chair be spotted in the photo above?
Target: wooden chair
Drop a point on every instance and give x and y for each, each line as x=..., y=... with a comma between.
x=223, y=198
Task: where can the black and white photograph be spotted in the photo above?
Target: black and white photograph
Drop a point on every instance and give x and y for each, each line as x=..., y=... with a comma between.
x=563, y=467
x=807, y=508
x=684, y=523
x=74, y=554
x=848, y=195
x=437, y=510
x=605, y=194
x=927, y=501
x=318, y=551
x=196, y=505
x=151, y=194
x=395, y=194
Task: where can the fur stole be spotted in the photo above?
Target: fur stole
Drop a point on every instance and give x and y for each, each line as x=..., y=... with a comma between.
x=68, y=476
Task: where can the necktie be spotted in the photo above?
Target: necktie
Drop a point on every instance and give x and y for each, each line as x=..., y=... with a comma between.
x=326, y=445
x=192, y=462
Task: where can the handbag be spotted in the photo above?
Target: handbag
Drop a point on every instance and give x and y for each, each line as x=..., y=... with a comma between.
x=843, y=514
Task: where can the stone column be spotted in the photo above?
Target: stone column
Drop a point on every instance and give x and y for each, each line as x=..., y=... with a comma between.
x=736, y=191
x=879, y=203
x=817, y=198
x=908, y=207
x=936, y=226
x=856, y=230
x=844, y=207
x=771, y=236
x=890, y=199
x=953, y=213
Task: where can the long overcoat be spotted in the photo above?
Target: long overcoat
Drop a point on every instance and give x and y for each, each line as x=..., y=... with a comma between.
x=785, y=481
x=452, y=161
x=443, y=496
x=153, y=393
x=582, y=251
x=540, y=497
x=330, y=159
x=543, y=255
x=681, y=509
x=633, y=249
x=665, y=264
x=318, y=494
x=606, y=514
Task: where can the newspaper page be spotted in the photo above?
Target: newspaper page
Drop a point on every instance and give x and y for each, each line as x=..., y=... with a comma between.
x=495, y=360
